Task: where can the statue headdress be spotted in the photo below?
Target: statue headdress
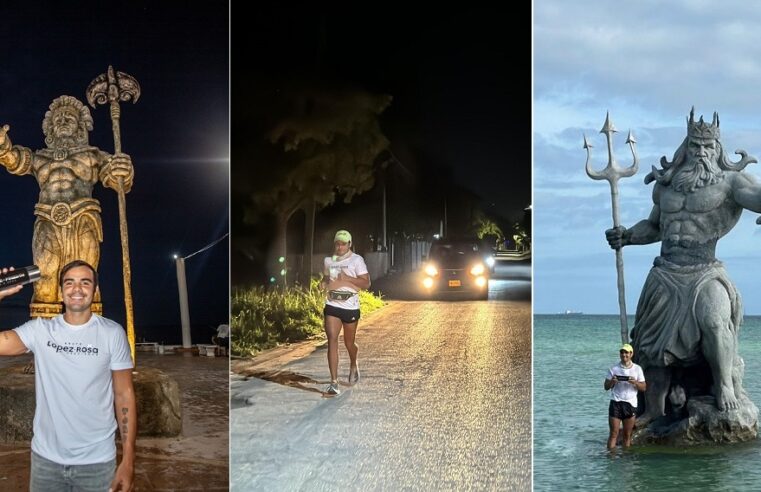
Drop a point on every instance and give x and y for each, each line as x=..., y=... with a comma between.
x=698, y=130
x=701, y=129
x=75, y=105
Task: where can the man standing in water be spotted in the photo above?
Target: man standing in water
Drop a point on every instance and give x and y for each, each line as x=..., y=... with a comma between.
x=625, y=379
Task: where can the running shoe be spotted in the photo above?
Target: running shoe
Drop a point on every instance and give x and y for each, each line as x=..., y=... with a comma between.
x=354, y=375
x=332, y=389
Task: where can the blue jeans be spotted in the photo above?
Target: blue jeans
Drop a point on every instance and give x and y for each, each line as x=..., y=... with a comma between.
x=47, y=476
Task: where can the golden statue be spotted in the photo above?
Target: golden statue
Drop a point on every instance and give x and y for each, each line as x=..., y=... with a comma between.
x=68, y=225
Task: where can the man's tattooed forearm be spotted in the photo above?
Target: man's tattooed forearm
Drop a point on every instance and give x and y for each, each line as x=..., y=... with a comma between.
x=125, y=421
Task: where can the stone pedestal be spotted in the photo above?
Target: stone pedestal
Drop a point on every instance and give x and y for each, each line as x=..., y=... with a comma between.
x=51, y=310
x=703, y=424
x=158, y=403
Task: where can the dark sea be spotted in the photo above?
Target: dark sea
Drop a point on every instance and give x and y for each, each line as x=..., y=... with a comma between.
x=571, y=357
x=16, y=314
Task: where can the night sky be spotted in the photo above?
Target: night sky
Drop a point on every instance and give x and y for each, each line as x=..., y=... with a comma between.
x=460, y=80
x=177, y=135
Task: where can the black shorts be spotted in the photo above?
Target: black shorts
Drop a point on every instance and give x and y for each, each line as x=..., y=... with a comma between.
x=621, y=410
x=345, y=315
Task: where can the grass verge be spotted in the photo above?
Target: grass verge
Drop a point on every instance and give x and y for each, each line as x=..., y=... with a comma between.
x=264, y=318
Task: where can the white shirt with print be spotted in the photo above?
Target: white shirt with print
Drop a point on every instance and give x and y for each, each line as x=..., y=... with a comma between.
x=74, y=421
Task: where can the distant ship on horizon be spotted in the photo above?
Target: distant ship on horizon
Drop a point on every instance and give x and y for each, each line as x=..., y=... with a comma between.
x=569, y=312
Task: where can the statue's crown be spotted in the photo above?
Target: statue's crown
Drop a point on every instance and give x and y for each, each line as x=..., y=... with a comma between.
x=701, y=129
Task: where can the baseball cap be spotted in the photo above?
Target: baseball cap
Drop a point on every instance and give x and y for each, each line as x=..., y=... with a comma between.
x=627, y=347
x=342, y=236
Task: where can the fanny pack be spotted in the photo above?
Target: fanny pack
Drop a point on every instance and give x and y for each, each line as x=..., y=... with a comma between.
x=339, y=295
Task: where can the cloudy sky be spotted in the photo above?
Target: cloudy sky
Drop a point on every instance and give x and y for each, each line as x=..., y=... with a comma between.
x=646, y=62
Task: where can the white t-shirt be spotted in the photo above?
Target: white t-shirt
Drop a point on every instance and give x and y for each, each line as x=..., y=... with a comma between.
x=223, y=331
x=624, y=391
x=353, y=266
x=74, y=422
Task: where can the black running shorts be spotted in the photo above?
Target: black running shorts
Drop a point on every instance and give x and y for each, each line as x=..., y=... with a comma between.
x=345, y=315
x=621, y=410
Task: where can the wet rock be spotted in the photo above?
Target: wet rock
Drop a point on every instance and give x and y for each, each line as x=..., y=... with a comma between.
x=158, y=403
x=16, y=404
x=703, y=424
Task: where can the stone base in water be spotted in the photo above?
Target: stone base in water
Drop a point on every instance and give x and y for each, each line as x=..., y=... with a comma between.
x=704, y=424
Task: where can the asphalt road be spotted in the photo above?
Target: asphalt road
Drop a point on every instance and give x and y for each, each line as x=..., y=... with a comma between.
x=444, y=404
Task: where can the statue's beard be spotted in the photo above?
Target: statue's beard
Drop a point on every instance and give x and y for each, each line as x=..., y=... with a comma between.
x=63, y=142
x=704, y=172
x=67, y=141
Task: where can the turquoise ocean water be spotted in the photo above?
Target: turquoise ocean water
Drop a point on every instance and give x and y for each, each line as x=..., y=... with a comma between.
x=571, y=357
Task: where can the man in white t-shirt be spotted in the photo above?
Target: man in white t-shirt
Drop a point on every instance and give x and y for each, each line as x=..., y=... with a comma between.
x=625, y=379
x=345, y=274
x=83, y=391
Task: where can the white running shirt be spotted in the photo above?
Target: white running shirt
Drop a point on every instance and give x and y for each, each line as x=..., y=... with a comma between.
x=353, y=266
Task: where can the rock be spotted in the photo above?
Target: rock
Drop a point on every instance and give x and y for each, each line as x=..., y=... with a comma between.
x=158, y=404
x=704, y=424
x=17, y=404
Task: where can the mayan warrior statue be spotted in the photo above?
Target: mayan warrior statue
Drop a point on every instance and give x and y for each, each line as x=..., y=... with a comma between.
x=689, y=312
x=68, y=224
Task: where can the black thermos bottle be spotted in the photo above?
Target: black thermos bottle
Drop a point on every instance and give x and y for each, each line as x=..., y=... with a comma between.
x=19, y=276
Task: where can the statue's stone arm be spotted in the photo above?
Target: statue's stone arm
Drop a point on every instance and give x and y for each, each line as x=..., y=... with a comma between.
x=113, y=167
x=746, y=190
x=15, y=158
x=645, y=231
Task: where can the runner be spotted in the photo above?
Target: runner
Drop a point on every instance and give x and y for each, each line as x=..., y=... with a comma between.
x=345, y=274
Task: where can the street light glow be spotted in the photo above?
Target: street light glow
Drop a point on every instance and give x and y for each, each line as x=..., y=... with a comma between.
x=175, y=256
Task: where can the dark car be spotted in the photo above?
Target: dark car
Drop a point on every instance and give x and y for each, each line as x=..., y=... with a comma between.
x=456, y=266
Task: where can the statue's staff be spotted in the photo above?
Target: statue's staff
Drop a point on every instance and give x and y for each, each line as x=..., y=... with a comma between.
x=612, y=173
x=112, y=87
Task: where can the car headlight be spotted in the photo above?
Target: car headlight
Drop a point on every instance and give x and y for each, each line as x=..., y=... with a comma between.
x=477, y=269
x=428, y=282
x=490, y=261
x=430, y=270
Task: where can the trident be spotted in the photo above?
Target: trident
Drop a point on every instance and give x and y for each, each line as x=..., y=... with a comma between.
x=112, y=87
x=612, y=173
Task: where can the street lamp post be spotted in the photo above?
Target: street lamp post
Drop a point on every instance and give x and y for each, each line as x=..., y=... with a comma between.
x=182, y=285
